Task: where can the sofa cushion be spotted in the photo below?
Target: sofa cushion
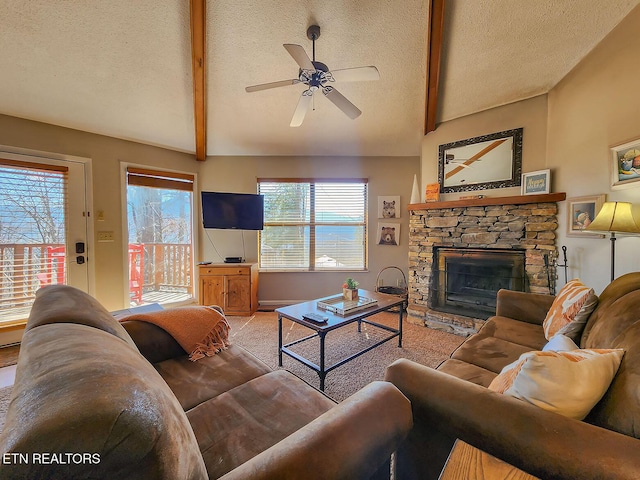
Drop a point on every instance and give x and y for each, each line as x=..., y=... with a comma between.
x=613, y=321
x=489, y=352
x=79, y=389
x=619, y=409
x=195, y=382
x=515, y=331
x=570, y=310
x=239, y=424
x=467, y=371
x=568, y=383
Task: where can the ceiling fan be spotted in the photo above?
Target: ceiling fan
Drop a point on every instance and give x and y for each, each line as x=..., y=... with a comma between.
x=316, y=76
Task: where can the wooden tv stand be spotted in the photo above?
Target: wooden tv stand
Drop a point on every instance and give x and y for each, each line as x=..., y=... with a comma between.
x=232, y=286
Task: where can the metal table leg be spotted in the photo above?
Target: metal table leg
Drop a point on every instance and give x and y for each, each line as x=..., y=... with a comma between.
x=322, y=374
x=279, y=340
x=401, y=308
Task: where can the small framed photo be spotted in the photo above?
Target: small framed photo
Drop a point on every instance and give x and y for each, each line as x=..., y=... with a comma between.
x=580, y=213
x=389, y=206
x=534, y=183
x=625, y=165
x=388, y=234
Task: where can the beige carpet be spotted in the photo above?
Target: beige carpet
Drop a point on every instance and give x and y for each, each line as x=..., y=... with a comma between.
x=5, y=393
x=259, y=335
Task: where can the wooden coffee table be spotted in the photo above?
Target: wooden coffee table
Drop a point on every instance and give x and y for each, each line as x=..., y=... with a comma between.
x=334, y=321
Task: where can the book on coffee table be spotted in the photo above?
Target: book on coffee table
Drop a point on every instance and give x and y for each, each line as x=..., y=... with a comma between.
x=340, y=306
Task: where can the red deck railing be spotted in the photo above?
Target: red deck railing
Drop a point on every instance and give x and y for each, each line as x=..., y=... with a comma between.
x=24, y=268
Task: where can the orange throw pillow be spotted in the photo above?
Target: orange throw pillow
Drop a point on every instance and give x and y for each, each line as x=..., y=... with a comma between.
x=570, y=311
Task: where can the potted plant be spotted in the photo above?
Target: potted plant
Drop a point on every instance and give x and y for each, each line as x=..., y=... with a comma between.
x=350, y=289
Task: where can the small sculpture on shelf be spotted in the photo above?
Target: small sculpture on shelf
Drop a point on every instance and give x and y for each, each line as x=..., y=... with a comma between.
x=350, y=289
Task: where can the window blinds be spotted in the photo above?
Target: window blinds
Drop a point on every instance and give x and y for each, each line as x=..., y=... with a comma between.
x=314, y=224
x=32, y=229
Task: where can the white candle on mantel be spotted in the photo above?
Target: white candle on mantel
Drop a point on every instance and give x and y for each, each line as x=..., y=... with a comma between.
x=415, y=192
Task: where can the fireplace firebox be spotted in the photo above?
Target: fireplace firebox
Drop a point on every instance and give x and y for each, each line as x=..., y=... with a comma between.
x=466, y=280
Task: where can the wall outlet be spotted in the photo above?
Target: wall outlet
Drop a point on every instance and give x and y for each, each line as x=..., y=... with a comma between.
x=105, y=237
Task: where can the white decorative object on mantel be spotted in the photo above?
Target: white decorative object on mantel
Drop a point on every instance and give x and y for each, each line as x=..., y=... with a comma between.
x=415, y=192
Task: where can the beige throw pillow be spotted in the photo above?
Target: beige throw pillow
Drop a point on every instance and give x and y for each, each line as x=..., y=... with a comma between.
x=570, y=311
x=568, y=383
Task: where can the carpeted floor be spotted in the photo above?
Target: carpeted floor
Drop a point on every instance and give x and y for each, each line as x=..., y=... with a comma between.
x=259, y=335
x=5, y=393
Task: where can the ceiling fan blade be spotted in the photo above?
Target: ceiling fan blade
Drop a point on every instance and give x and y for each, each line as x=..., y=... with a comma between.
x=300, y=56
x=301, y=109
x=342, y=103
x=265, y=86
x=357, y=74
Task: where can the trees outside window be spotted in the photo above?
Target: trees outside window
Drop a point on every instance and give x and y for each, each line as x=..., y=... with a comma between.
x=160, y=219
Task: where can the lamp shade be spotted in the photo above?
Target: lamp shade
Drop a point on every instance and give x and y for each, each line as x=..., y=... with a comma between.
x=617, y=217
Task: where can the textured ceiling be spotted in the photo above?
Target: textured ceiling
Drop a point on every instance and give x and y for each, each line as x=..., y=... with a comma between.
x=122, y=68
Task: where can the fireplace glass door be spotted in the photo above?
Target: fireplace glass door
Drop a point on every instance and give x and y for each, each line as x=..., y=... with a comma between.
x=466, y=280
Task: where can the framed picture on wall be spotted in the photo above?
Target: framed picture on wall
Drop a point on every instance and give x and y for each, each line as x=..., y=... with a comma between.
x=534, y=183
x=625, y=165
x=389, y=206
x=389, y=234
x=580, y=213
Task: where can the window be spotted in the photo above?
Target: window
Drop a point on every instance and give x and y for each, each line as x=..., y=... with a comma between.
x=160, y=224
x=32, y=232
x=314, y=225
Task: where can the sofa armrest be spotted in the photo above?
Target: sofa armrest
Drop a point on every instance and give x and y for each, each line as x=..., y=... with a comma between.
x=539, y=442
x=350, y=441
x=524, y=306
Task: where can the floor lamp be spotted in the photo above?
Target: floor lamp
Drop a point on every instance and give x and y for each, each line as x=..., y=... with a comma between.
x=622, y=217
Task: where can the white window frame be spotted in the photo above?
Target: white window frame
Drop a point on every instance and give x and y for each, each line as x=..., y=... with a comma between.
x=195, y=214
x=312, y=224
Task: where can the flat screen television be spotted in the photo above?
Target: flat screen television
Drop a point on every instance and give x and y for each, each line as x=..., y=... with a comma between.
x=242, y=211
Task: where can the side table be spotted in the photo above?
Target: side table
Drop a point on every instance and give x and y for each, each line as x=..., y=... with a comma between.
x=469, y=463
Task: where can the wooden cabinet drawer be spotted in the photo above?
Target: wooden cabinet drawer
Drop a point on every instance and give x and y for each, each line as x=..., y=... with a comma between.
x=225, y=270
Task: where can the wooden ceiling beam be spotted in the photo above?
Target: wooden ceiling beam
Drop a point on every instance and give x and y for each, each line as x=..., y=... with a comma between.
x=198, y=62
x=434, y=50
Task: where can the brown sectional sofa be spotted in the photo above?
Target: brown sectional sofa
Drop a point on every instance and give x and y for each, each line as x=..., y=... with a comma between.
x=453, y=401
x=94, y=398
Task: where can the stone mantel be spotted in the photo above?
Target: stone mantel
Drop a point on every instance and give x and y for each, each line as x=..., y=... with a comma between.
x=485, y=201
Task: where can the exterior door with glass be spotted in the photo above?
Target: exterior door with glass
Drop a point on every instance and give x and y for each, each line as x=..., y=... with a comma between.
x=43, y=229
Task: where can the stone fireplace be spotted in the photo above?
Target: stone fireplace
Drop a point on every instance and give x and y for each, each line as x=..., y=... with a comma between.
x=462, y=252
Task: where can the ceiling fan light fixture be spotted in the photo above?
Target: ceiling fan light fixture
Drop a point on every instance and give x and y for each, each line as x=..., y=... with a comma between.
x=316, y=75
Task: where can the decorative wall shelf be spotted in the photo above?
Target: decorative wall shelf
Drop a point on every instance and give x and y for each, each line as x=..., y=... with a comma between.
x=481, y=202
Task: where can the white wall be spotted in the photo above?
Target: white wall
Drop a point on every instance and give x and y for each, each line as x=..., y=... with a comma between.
x=530, y=114
x=387, y=176
x=570, y=131
x=593, y=108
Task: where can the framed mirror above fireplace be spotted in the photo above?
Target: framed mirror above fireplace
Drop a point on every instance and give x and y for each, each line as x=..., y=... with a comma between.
x=479, y=163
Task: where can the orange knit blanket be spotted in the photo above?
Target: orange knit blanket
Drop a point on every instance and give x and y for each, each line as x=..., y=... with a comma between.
x=200, y=331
